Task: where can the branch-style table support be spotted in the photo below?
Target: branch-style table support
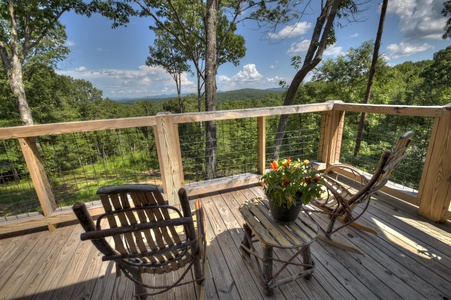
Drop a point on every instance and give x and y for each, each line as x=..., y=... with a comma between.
x=297, y=236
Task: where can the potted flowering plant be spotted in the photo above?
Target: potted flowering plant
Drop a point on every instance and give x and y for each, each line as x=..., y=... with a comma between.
x=288, y=184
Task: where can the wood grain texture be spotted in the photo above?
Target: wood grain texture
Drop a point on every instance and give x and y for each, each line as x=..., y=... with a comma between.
x=169, y=156
x=435, y=186
x=71, y=127
x=401, y=110
x=410, y=259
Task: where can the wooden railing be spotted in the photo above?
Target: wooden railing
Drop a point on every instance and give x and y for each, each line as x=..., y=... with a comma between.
x=433, y=197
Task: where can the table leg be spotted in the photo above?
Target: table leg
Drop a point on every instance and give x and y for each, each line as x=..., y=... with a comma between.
x=307, y=259
x=267, y=269
x=247, y=239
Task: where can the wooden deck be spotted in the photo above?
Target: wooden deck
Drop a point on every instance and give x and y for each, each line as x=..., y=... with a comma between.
x=410, y=259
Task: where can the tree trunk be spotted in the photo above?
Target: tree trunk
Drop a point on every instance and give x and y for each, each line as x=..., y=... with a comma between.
x=318, y=44
x=210, y=86
x=199, y=93
x=12, y=57
x=17, y=87
x=178, y=83
x=369, y=86
x=13, y=67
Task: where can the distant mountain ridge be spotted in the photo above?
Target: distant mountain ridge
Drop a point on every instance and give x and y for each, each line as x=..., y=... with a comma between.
x=241, y=94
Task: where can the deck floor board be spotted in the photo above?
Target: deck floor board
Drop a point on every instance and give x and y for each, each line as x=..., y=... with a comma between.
x=409, y=259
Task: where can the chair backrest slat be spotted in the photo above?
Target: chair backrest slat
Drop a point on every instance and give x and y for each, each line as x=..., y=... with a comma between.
x=118, y=198
x=396, y=156
x=149, y=235
x=388, y=162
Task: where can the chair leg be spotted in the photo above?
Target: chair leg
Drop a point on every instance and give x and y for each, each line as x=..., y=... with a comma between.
x=140, y=291
x=267, y=270
x=198, y=271
x=364, y=228
x=330, y=226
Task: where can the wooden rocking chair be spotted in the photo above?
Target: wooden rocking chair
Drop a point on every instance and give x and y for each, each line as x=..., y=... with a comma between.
x=349, y=202
x=149, y=235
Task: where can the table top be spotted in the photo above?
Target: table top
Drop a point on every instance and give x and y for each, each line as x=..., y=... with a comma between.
x=298, y=234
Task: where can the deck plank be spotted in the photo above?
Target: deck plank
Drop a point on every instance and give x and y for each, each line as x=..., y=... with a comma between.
x=32, y=263
x=373, y=268
x=230, y=244
x=17, y=249
x=410, y=259
x=223, y=279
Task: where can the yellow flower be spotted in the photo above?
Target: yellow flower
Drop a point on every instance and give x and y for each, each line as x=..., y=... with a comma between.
x=306, y=162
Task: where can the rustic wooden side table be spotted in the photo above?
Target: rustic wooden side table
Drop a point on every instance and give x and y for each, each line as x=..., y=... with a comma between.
x=270, y=234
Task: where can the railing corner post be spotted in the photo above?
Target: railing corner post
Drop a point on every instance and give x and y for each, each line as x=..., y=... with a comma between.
x=435, y=186
x=331, y=134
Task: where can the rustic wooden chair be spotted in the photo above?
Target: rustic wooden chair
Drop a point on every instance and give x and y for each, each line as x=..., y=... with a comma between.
x=348, y=202
x=149, y=235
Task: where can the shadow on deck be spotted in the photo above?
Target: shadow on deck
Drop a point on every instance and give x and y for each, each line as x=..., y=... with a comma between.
x=409, y=259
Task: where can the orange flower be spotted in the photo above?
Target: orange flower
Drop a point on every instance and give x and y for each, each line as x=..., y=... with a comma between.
x=288, y=162
x=274, y=165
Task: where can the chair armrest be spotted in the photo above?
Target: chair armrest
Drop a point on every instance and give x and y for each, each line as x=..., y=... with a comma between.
x=103, y=233
x=347, y=171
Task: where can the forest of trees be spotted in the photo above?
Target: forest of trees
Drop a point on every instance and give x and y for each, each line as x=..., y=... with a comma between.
x=203, y=33
x=56, y=98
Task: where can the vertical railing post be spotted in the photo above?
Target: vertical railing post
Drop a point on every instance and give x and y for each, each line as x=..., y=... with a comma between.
x=331, y=132
x=261, y=144
x=169, y=155
x=39, y=177
x=435, y=186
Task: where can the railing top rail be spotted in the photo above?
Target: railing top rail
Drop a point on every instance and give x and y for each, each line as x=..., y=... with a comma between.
x=85, y=126
x=402, y=110
x=70, y=127
x=253, y=112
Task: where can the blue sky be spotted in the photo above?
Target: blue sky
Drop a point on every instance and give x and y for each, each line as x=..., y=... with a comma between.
x=114, y=59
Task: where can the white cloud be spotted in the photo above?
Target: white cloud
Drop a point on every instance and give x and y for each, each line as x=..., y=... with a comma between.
x=70, y=44
x=299, y=47
x=81, y=69
x=224, y=79
x=248, y=77
x=419, y=19
x=249, y=73
x=333, y=51
x=302, y=47
x=300, y=28
x=275, y=80
x=143, y=82
x=406, y=49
